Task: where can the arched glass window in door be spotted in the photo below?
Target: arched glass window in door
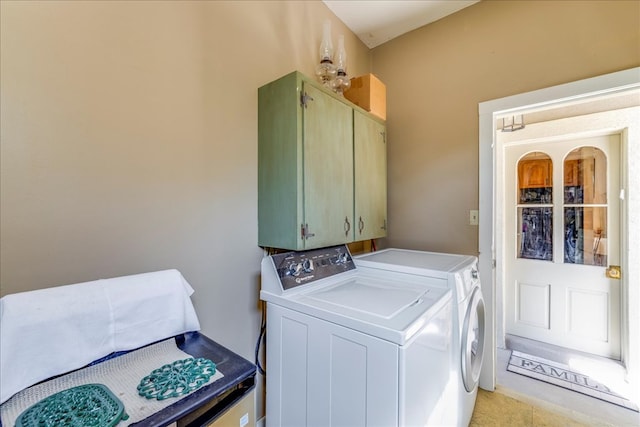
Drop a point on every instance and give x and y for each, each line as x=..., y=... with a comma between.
x=585, y=207
x=535, y=207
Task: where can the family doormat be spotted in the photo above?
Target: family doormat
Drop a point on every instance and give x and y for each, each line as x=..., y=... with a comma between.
x=562, y=376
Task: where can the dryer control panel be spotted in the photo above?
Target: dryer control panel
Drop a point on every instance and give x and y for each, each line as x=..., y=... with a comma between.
x=299, y=268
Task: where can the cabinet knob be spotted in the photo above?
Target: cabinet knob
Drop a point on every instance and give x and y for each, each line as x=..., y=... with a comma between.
x=347, y=226
x=360, y=225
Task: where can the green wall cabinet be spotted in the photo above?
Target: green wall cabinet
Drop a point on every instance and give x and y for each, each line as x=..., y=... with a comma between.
x=321, y=167
x=370, y=177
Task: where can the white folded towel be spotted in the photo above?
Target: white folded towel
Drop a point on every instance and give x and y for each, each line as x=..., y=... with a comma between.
x=52, y=331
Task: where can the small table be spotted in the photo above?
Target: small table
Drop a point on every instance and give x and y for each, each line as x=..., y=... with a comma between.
x=210, y=402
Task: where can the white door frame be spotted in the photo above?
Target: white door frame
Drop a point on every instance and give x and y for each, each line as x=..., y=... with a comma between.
x=555, y=96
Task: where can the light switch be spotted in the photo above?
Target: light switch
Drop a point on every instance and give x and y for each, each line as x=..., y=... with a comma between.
x=473, y=217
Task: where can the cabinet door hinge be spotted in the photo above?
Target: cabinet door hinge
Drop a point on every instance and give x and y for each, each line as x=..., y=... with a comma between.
x=304, y=97
x=304, y=232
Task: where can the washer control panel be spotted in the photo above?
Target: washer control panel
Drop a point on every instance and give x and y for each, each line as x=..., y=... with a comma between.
x=299, y=268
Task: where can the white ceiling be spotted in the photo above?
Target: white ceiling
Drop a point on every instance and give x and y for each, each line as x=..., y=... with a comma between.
x=378, y=21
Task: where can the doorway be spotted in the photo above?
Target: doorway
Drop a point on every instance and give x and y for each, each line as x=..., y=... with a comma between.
x=565, y=99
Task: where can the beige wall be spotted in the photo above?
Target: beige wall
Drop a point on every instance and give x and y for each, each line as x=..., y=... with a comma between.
x=437, y=75
x=129, y=142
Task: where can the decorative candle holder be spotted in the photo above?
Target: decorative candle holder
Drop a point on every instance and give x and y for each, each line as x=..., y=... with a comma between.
x=326, y=71
x=342, y=81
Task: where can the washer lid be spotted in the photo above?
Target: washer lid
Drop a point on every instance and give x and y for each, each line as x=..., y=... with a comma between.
x=413, y=259
x=377, y=299
x=390, y=306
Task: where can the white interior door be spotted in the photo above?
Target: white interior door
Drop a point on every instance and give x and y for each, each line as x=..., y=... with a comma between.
x=562, y=232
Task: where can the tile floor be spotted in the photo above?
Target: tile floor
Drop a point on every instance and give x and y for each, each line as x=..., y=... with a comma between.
x=522, y=401
x=496, y=409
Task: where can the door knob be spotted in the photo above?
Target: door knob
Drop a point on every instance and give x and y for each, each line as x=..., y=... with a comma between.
x=614, y=272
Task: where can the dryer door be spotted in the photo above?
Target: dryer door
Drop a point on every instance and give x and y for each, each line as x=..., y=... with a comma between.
x=473, y=341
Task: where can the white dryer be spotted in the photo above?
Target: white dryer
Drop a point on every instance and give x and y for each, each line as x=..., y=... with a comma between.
x=461, y=275
x=351, y=346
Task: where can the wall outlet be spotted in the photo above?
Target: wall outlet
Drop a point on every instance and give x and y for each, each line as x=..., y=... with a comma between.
x=473, y=217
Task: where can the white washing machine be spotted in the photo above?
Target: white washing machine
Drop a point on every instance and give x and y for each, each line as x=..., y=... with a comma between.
x=355, y=346
x=461, y=274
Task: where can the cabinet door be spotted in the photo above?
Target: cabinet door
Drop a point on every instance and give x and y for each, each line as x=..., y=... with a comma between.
x=535, y=173
x=280, y=205
x=327, y=170
x=370, y=178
